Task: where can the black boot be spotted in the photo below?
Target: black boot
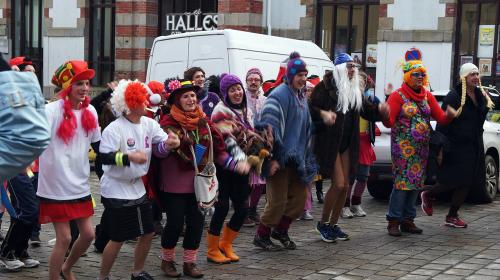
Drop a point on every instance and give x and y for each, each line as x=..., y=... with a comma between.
x=319, y=191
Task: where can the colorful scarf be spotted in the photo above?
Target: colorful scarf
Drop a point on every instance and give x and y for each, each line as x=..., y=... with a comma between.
x=188, y=120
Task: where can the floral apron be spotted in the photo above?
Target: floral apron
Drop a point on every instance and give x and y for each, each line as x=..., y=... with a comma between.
x=410, y=144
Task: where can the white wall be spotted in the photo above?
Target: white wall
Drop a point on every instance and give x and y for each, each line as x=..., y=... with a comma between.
x=64, y=13
x=416, y=15
x=436, y=58
x=285, y=14
x=57, y=50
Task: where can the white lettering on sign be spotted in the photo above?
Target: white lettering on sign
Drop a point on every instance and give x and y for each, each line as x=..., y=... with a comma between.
x=187, y=22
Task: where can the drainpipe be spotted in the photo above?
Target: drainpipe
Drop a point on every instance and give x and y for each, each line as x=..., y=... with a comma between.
x=268, y=16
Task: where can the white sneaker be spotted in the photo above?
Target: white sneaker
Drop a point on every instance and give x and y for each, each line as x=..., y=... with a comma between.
x=11, y=263
x=307, y=216
x=28, y=261
x=346, y=213
x=357, y=211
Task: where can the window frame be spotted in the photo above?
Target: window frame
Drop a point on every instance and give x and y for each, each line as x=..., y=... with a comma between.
x=27, y=38
x=99, y=55
x=494, y=78
x=335, y=4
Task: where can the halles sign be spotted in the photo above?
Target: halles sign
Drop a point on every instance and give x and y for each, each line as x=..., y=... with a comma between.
x=186, y=22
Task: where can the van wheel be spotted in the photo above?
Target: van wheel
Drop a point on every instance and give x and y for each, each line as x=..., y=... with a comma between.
x=380, y=189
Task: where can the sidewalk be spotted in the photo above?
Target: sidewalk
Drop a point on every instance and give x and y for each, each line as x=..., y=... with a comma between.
x=439, y=253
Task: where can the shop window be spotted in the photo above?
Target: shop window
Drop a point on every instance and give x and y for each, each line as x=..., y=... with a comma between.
x=349, y=28
x=180, y=8
x=478, y=39
x=102, y=40
x=326, y=29
x=26, y=30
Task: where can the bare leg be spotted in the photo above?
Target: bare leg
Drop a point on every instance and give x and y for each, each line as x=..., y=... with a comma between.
x=56, y=260
x=108, y=257
x=81, y=244
x=141, y=252
x=333, y=192
x=342, y=185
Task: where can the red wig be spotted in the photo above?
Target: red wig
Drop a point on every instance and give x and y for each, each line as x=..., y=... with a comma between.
x=136, y=95
x=67, y=129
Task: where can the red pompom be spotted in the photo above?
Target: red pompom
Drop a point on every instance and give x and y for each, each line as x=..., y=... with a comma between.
x=135, y=95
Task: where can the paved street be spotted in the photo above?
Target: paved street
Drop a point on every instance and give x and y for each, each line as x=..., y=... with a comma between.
x=439, y=253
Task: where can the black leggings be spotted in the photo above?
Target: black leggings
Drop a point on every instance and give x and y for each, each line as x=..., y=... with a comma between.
x=457, y=198
x=180, y=207
x=235, y=187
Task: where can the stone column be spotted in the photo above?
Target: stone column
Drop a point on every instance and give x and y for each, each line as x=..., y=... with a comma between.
x=243, y=15
x=63, y=36
x=136, y=28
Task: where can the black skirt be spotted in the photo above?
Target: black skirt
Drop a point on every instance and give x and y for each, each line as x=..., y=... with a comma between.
x=129, y=222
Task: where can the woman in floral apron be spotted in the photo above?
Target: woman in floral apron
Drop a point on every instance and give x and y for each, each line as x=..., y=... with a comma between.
x=411, y=108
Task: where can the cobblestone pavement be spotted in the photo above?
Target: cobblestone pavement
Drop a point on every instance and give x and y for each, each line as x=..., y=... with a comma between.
x=439, y=253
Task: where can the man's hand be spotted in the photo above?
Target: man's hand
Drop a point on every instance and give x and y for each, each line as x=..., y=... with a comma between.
x=384, y=111
x=328, y=117
x=112, y=85
x=173, y=141
x=273, y=167
x=242, y=167
x=138, y=157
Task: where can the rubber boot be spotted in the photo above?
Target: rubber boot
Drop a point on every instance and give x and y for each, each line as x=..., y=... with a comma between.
x=226, y=243
x=393, y=228
x=213, y=253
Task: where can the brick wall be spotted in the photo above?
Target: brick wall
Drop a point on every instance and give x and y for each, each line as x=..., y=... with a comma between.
x=243, y=15
x=136, y=27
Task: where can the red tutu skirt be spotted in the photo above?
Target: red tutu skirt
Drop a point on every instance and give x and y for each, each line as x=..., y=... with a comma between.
x=366, y=152
x=58, y=212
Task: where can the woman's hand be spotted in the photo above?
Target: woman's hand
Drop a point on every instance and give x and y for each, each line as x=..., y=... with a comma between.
x=451, y=113
x=439, y=157
x=173, y=141
x=273, y=167
x=242, y=167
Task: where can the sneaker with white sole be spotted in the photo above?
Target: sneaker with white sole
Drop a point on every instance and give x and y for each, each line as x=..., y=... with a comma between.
x=357, y=211
x=346, y=213
x=28, y=261
x=11, y=263
x=307, y=216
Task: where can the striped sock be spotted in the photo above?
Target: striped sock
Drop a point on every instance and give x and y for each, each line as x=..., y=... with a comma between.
x=168, y=254
x=190, y=256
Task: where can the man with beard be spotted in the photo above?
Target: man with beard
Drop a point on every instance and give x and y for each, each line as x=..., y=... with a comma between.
x=336, y=146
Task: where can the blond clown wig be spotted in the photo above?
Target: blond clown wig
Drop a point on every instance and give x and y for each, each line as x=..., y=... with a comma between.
x=465, y=70
x=413, y=64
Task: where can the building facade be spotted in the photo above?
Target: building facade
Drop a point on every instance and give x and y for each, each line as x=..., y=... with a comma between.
x=115, y=36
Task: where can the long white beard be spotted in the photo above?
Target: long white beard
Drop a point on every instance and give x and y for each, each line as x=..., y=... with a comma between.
x=349, y=91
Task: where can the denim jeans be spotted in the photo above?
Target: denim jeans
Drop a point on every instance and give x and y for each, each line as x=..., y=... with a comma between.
x=25, y=203
x=23, y=198
x=402, y=205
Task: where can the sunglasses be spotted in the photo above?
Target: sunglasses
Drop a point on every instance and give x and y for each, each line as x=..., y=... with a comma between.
x=418, y=75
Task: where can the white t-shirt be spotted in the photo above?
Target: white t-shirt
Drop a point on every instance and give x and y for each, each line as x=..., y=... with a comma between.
x=124, y=136
x=64, y=168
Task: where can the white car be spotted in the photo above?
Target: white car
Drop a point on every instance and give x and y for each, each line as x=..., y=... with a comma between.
x=380, y=181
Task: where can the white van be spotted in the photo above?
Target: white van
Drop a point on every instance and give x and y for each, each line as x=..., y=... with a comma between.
x=229, y=51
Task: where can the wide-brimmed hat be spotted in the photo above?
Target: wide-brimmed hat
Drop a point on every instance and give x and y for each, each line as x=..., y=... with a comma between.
x=70, y=72
x=179, y=88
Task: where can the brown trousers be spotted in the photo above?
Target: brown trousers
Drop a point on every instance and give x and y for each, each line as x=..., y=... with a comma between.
x=286, y=195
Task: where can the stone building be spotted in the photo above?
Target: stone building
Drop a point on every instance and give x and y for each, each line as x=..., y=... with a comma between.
x=115, y=36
